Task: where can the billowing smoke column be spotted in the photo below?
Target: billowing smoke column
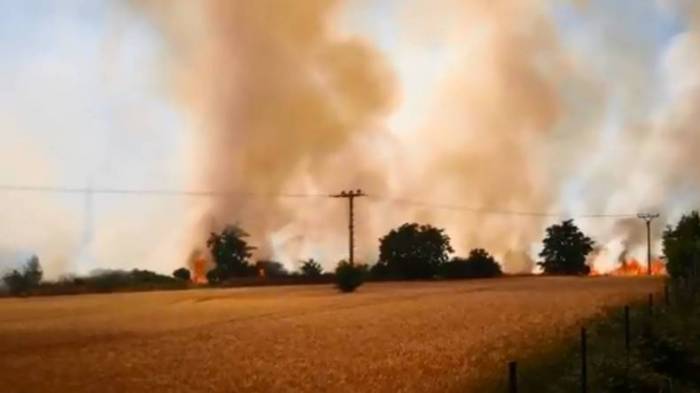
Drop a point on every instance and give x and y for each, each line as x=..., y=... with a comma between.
x=277, y=101
x=282, y=101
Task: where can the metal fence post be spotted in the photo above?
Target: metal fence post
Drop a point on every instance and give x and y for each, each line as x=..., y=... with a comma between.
x=627, y=329
x=584, y=363
x=513, y=377
x=627, y=345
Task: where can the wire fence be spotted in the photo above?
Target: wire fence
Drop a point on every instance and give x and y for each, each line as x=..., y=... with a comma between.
x=620, y=342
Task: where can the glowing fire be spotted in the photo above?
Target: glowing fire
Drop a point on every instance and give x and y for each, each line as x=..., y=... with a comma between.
x=199, y=271
x=632, y=267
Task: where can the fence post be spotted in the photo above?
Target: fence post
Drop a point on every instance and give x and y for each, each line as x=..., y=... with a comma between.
x=627, y=345
x=584, y=363
x=627, y=329
x=513, y=377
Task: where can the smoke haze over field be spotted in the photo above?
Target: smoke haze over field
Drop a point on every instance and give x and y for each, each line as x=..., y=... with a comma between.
x=566, y=107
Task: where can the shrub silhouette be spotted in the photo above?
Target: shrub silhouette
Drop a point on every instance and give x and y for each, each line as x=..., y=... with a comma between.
x=349, y=277
x=112, y=280
x=480, y=264
x=681, y=245
x=311, y=269
x=182, y=274
x=379, y=271
x=22, y=282
x=270, y=269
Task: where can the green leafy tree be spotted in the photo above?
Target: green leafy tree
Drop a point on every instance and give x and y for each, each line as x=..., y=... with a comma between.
x=311, y=268
x=22, y=282
x=565, y=250
x=349, y=277
x=182, y=274
x=231, y=253
x=681, y=245
x=414, y=251
x=480, y=264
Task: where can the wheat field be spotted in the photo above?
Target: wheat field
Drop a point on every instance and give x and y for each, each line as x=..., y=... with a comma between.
x=387, y=337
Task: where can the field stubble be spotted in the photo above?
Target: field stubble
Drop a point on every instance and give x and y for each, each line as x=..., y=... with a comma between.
x=387, y=337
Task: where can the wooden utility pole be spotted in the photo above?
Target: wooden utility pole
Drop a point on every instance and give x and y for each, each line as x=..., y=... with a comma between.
x=648, y=218
x=350, y=196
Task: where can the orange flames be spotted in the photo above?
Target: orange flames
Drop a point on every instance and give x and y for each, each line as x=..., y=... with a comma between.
x=632, y=267
x=199, y=271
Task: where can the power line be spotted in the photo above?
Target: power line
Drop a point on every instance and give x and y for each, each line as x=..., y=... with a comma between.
x=154, y=192
x=228, y=194
x=476, y=210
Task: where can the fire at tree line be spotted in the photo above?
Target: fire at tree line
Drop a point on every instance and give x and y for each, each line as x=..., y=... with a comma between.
x=409, y=252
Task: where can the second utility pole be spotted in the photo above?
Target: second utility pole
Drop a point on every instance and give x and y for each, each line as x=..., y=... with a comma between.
x=350, y=196
x=648, y=218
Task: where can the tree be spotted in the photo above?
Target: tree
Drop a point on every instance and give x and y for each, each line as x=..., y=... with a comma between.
x=33, y=272
x=182, y=274
x=480, y=264
x=379, y=271
x=681, y=245
x=270, y=269
x=21, y=282
x=349, y=277
x=231, y=253
x=414, y=251
x=311, y=268
x=565, y=250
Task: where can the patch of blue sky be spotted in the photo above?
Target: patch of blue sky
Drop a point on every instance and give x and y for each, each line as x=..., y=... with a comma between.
x=83, y=93
x=623, y=42
x=86, y=86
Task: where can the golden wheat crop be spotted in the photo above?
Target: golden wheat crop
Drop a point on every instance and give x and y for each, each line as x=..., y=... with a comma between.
x=393, y=337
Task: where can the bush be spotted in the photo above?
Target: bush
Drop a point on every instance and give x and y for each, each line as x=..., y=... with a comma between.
x=112, y=280
x=271, y=269
x=216, y=275
x=379, y=271
x=479, y=265
x=182, y=274
x=21, y=283
x=311, y=269
x=681, y=245
x=349, y=277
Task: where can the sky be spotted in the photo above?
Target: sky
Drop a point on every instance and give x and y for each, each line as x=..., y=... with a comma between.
x=86, y=100
x=83, y=103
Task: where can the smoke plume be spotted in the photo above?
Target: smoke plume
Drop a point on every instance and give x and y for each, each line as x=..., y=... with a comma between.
x=282, y=100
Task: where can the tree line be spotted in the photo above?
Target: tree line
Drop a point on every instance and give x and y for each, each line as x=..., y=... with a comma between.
x=410, y=252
